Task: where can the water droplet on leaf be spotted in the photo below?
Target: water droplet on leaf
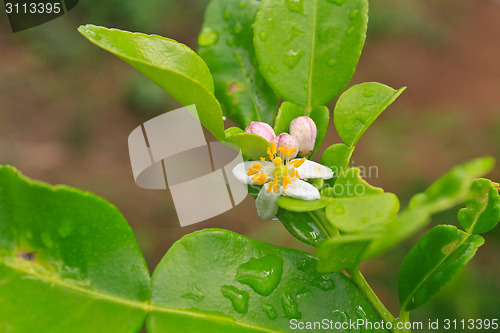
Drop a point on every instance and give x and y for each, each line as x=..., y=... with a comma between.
x=350, y=30
x=194, y=292
x=368, y=92
x=332, y=62
x=354, y=14
x=238, y=298
x=263, y=35
x=242, y=4
x=294, y=32
x=270, y=311
x=227, y=14
x=207, y=37
x=238, y=28
x=290, y=307
x=292, y=58
x=64, y=229
x=324, y=283
x=339, y=209
x=337, y=2
x=272, y=68
x=296, y=6
x=262, y=275
x=230, y=41
x=271, y=23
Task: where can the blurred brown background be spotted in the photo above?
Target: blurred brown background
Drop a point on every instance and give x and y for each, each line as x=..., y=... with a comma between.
x=67, y=107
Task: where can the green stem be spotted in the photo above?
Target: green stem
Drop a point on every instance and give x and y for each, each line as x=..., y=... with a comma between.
x=359, y=280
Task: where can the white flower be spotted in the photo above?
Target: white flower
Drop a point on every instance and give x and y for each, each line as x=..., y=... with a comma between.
x=280, y=176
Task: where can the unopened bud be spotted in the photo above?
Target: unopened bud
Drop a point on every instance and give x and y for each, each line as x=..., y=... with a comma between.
x=305, y=131
x=285, y=140
x=261, y=129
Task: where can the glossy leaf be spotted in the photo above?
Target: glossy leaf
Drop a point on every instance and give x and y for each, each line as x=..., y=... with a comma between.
x=308, y=50
x=297, y=205
x=226, y=44
x=443, y=194
x=452, y=188
x=339, y=253
x=68, y=261
x=483, y=208
x=247, y=286
x=359, y=213
x=434, y=260
x=321, y=117
x=359, y=106
x=252, y=146
x=233, y=130
x=350, y=184
x=303, y=226
x=286, y=113
x=173, y=66
x=336, y=157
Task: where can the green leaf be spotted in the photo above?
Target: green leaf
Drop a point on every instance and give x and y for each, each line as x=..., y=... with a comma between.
x=350, y=184
x=359, y=106
x=434, y=260
x=303, y=226
x=308, y=50
x=68, y=261
x=252, y=146
x=289, y=111
x=226, y=44
x=452, y=188
x=356, y=214
x=345, y=252
x=443, y=194
x=297, y=205
x=232, y=131
x=336, y=157
x=245, y=286
x=321, y=117
x=483, y=208
x=173, y=66
x=286, y=113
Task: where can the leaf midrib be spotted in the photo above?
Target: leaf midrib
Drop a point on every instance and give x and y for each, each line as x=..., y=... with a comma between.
x=403, y=306
x=311, y=59
x=147, y=307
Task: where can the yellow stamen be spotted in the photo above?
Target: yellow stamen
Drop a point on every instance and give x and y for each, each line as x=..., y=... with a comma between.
x=295, y=173
x=286, y=181
x=291, y=151
x=273, y=147
x=271, y=184
x=255, y=168
x=260, y=179
x=275, y=188
x=277, y=161
x=297, y=163
x=262, y=159
x=281, y=150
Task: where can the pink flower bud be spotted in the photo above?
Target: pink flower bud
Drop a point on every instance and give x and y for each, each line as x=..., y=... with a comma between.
x=305, y=131
x=261, y=129
x=285, y=140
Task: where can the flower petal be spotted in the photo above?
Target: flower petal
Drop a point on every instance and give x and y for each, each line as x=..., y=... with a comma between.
x=310, y=169
x=300, y=189
x=240, y=171
x=266, y=203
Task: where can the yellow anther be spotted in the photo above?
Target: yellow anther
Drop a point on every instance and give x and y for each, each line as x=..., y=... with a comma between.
x=281, y=149
x=286, y=181
x=262, y=159
x=271, y=184
x=295, y=173
x=291, y=151
x=297, y=163
x=273, y=147
x=255, y=168
x=275, y=188
x=260, y=179
x=277, y=161
x=269, y=152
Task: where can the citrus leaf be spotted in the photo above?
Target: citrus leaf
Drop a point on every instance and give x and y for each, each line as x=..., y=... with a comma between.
x=68, y=261
x=308, y=50
x=252, y=146
x=303, y=226
x=226, y=45
x=434, y=260
x=321, y=117
x=171, y=65
x=246, y=286
x=345, y=252
x=286, y=113
x=483, y=208
x=349, y=185
x=359, y=106
x=336, y=157
x=297, y=205
x=356, y=214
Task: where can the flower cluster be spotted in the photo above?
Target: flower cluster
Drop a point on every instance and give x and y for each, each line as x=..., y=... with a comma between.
x=280, y=173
